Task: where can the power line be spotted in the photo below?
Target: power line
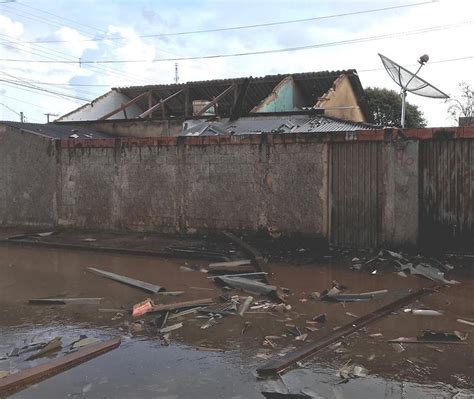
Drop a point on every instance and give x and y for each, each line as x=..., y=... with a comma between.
x=21, y=13
x=261, y=52
x=43, y=90
x=109, y=86
x=67, y=84
x=48, y=54
x=242, y=27
x=431, y=62
x=23, y=102
x=10, y=109
x=32, y=90
x=57, y=16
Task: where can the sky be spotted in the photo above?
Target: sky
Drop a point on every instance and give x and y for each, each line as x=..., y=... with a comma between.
x=444, y=31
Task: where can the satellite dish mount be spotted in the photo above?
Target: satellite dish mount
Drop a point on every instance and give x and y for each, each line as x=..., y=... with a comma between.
x=410, y=82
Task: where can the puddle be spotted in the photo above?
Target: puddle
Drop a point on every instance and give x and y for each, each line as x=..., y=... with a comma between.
x=143, y=367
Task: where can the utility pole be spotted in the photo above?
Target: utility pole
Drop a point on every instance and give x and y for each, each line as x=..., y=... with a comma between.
x=48, y=114
x=22, y=117
x=176, y=75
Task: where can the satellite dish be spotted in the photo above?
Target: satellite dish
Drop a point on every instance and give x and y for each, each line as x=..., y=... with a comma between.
x=409, y=82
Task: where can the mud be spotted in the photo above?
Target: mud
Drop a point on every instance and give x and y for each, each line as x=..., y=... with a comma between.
x=144, y=367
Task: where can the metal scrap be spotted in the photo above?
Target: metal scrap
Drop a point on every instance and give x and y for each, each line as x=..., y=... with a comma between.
x=53, y=345
x=250, y=286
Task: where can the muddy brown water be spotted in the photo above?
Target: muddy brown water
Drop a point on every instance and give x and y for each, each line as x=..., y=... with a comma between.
x=144, y=367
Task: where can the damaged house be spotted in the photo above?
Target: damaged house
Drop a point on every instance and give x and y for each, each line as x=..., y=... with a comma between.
x=302, y=102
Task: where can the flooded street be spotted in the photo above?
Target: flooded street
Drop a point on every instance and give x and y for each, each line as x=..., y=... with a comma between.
x=220, y=361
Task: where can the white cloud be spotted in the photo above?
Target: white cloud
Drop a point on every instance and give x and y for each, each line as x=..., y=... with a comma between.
x=77, y=45
x=10, y=28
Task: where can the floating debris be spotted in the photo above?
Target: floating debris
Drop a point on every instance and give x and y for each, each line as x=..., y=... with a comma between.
x=171, y=328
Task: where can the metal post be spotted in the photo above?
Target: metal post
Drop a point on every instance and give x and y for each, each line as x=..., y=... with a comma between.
x=22, y=117
x=402, y=118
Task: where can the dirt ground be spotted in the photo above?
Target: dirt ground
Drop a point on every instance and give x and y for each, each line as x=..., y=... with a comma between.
x=220, y=361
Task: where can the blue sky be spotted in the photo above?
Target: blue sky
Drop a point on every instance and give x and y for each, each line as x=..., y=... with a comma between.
x=75, y=21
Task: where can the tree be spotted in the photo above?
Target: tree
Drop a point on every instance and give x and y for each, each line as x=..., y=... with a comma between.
x=386, y=107
x=463, y=104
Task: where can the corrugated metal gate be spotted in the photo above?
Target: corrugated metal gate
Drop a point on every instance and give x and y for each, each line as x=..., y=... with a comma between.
x=355, y=203
x=446, y=192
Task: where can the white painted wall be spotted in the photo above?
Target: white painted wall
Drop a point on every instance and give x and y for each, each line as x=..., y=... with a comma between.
x=101, y=106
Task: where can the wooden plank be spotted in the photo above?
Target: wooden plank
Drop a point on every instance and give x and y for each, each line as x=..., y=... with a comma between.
x=65, y=301
x=180, y=305
x=238, y=266
x=254, y=254
x=416, y=341
x=231, y=263
x=150, y=103
x=22, y=379
x=127, y=280
x=232, y=269
x=216, y=100
x=156, y=106
x=123, y=106
x=247, y=275
x=281, y=364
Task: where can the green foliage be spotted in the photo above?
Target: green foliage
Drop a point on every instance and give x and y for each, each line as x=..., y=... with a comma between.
x=386, y=108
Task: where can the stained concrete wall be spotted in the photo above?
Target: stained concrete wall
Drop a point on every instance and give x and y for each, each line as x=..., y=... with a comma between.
x=187, y=188
x=278, y=182
x=400, y=193
x=27, y=179
x=138, y=127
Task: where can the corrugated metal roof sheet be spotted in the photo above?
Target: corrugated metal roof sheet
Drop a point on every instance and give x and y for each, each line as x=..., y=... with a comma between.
x=282, y=124
x=58, y=131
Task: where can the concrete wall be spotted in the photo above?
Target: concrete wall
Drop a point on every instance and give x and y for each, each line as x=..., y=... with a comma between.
x=138, y=127
x=341, y=102
x=188, y=188
x=400, y=193
x=27, y=179
x=277, y=182
x=102, y=106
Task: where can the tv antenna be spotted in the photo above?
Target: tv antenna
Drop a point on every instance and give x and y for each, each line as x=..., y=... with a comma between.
x=410, y=82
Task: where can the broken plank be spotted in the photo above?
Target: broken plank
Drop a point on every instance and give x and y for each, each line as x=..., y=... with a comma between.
x=127, y=280
x=246, y=275
x=278, y=365
x=22, y=379
x=414, y=340
x=238, y=266
x=184, y=313
x=247, y=285
x=242, y=262
x=180, y=305
x=254, y=254
x=65, y=301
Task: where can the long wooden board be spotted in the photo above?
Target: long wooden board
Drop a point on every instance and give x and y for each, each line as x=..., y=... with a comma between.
x=22, y=379
x=181, y=305
x=65, y=301
x=154, y=289
x=281, y=364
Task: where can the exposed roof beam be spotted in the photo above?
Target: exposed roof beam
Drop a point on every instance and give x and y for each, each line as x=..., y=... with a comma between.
x=236, y=111
x=123, y=106
x=217, y=99
x=156, y=106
